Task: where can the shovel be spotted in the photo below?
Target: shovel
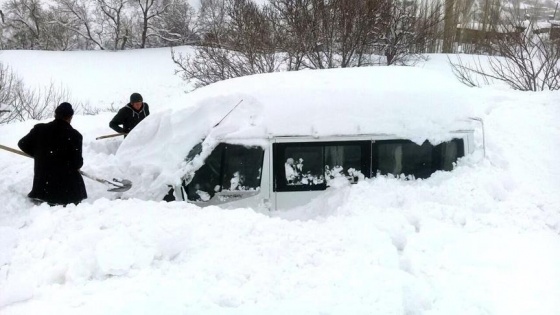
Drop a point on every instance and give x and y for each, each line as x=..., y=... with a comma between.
x=120, y=185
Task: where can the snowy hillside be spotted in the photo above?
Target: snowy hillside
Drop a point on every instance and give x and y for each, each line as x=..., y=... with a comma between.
x=482, y=239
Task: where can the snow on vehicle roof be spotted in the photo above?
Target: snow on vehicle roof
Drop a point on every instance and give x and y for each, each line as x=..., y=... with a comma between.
x=407, y=102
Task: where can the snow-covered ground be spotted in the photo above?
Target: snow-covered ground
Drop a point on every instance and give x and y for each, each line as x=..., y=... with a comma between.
x=483, y=239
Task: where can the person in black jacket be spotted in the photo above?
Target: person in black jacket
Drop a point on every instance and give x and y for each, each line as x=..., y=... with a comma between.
x=130, y=115
x=57, y=150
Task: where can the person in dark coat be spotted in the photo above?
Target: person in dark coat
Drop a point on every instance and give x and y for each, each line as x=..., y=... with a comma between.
x=130, y=115
x=57, y=150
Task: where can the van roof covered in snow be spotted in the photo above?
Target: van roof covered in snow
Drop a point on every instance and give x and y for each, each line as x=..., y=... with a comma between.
x=407, y=102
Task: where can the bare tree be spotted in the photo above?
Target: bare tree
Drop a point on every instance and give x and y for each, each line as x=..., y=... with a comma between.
x=249, y=33
x=150, y=11
x=240, y=38
x=111, y=14
x=328, y=33
x=99, y=24
x=402, y=33
x=8, y=84
x=39, y=103
x=526, y=61
x=287, y=21
x=25, y=19
x=240, y=43
x=178, y=25
x=461, y=15
x=464, y=12
x=428, y=31
x=450, y=25
x=358, y=25
x=318, y=38
x=212, y=21
x=58, y=37
x=19, y=103
x=2, y=30
x=78, y=17
x=32, y=25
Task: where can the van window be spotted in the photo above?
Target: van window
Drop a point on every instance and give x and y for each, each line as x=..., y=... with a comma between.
x=242, y=167
x=448, y=153
x=228, y=168
x=314, y=165
x=398, y=157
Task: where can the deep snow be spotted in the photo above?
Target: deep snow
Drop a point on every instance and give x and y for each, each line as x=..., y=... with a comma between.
x=482, y=239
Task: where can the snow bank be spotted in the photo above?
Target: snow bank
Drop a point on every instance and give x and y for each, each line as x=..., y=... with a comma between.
x=480, y=240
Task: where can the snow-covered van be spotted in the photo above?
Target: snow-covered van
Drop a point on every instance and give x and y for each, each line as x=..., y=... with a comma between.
x=276, y=141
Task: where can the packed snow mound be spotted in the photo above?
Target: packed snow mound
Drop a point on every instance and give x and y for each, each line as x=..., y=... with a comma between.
x=411, y=103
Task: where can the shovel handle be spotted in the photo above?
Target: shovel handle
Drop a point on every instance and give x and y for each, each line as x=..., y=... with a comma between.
x=29, y=156
x=100, y=180
x=15, y=151
x=111, y=136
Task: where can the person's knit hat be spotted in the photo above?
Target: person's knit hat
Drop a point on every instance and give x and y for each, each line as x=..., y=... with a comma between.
x=64, y=110
x=136, y=97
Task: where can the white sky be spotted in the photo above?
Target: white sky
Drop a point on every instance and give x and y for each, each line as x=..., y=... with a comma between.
x=483, y=239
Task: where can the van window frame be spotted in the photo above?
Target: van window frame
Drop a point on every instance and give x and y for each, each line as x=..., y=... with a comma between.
x=435, y=158
x=279, y=181
x=237, y=194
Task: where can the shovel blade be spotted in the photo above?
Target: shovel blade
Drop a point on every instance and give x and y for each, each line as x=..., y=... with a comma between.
x=120, y=185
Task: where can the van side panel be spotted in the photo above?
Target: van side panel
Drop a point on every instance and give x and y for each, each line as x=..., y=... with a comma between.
x=290, y=199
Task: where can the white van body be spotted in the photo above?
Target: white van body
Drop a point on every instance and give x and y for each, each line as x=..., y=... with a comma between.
x=268, y=196
x=276, y=141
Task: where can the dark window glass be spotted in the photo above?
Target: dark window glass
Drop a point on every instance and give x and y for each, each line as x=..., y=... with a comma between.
x=229, y=167
x=303, y=165
x=448, y=153
x=242, y=168
x=398, y=157
x=312, y=165
x=206, y=180
x=345, y=161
